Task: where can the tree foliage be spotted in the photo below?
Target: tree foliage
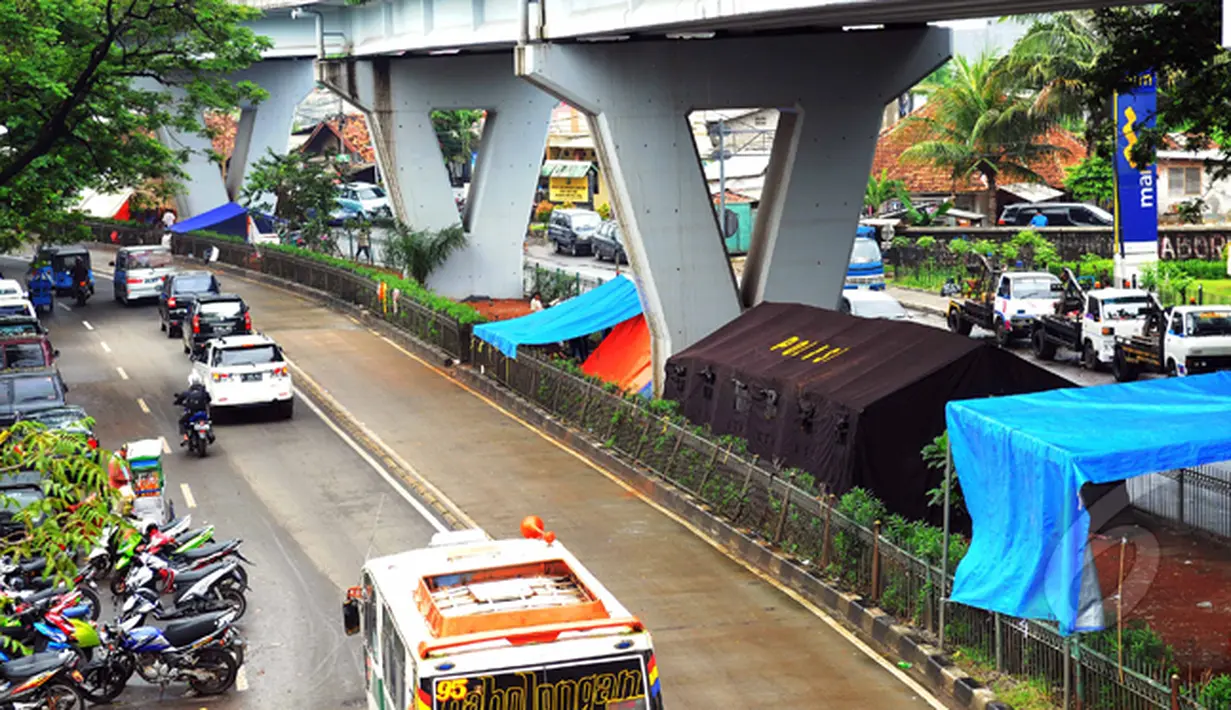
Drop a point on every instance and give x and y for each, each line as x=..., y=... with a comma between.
x=1054, y=61
x=305, y=191
x=1182, y=42
x=1091, y=180
x=88, y=84
x=78, y=502
x=982, y=126
x=457, y=132
x=880, y=190
x=420, y=252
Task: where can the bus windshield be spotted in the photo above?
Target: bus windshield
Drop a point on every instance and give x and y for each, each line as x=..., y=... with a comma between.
x=609, y=684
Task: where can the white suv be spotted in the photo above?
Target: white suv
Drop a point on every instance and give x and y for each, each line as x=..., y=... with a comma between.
x=246, y=371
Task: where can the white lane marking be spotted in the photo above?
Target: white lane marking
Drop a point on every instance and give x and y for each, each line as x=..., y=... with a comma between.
x=123, y=375
x=144, y=407
x=87, y=325
x=389, y=478
x=192, y=502
x=166, y=448
x=103, y=344
x=241, y=679
x=65, y=307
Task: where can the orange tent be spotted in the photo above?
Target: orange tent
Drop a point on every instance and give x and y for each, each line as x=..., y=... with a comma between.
x=623, y=358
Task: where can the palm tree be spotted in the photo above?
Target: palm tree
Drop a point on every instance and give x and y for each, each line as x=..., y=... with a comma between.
x=420, y=252
x=981, y=125
x=881, y=190
x=1055, y=59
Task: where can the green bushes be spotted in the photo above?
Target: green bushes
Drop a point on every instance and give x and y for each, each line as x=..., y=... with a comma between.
x=462, y=313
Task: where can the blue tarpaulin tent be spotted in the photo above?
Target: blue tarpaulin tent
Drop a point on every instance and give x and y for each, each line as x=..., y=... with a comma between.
x=231, y=218
x=1022, y=461
x=614, y=302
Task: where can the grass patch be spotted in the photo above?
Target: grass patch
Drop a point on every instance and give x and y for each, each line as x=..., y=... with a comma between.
x=1020, y=693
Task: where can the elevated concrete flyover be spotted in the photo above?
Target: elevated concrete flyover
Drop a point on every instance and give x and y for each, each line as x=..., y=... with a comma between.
x=424, y=26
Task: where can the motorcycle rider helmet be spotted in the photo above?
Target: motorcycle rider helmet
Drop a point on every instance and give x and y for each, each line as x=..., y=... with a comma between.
x=193, y=379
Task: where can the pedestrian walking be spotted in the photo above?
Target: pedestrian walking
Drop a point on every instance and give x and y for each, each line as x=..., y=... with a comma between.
x=364, y=240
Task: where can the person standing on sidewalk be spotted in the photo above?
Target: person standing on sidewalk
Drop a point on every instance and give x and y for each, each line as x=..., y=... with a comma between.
x=364, y=240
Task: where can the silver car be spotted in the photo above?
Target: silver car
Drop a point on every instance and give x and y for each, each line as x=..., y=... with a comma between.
x=140, y=271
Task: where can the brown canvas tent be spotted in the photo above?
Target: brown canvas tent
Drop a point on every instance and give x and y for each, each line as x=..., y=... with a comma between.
x=850, y=400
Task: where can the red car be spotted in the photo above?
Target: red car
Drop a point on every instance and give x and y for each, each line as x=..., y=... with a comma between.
x=27, y=351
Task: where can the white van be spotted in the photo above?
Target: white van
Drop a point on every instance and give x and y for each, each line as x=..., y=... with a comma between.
x=11, y=288
x=17, y=306
x=140, y=271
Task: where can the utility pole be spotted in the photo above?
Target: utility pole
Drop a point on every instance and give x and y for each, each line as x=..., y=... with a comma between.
x=722, y=174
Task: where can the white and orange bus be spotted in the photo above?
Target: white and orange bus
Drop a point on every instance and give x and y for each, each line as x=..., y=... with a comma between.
x=471, y=623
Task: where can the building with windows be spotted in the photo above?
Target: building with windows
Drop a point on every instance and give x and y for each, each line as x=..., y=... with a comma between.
x=1182, y=178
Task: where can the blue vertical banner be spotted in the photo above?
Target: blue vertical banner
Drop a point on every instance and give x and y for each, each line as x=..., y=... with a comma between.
x=1136, y=185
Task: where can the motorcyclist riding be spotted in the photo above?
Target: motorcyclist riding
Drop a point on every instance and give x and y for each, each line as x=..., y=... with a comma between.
x=195, y=399
x=81, y=272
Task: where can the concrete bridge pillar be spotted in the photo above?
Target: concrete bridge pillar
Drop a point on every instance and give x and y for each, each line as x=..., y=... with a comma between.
x=266, y=126
x=830, y=89
x=398, y=96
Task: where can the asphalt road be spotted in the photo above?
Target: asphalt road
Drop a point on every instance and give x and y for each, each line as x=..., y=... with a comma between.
x=308, y=508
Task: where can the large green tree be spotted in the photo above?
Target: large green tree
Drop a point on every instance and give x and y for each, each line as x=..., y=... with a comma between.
x=1182, y=42
x=88, y=84
x=304, y=189
x=981, y=126
x=1053, y=61
x=76, y=504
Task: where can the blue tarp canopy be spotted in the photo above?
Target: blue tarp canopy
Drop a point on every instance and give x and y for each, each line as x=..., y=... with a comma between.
x=231, y=218
x=1022, y=461
x=598, y=309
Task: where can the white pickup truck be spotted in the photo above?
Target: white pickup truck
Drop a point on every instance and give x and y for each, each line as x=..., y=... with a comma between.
x=1091, y=322
x=1183, y=340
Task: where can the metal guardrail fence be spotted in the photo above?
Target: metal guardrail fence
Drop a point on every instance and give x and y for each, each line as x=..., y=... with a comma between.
x=808, y=527
x=420, y=321
x=805, y=524
x=555, y=283
x=1196, y=498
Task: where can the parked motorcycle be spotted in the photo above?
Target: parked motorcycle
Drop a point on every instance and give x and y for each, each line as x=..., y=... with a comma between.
x=26, y=577
x=214, y=588
x=144, y=603
x=43, y=680
x=191, y=650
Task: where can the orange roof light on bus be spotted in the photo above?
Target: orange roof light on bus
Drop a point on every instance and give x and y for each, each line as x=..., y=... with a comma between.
x=532, y=529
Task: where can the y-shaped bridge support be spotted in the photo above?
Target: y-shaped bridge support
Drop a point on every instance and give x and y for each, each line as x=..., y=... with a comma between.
x=831, y=89
x=398, y=96
x=266, y=126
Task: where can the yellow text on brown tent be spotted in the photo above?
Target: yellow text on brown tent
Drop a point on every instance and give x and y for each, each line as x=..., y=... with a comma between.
x=807, y=350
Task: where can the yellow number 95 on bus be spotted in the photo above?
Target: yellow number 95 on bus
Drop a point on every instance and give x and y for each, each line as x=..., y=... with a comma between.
x=451, y=689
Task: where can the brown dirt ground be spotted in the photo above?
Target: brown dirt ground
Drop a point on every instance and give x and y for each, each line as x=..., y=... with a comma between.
x=501, y=308
x=1191, y=570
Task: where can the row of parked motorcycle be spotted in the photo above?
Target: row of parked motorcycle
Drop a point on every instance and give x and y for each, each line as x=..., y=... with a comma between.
x=178, y=594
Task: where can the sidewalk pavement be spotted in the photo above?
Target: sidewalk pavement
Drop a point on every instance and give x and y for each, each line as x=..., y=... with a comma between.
x=917, y=300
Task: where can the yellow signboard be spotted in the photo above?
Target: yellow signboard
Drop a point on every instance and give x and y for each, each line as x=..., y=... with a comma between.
x=565, y=189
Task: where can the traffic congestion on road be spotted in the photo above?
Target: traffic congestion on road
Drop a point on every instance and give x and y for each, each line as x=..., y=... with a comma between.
x=316, y=491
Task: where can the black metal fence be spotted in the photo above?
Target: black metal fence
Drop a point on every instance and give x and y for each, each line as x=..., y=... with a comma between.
x=420, y=321
x=1194, y=498
x=784, y=508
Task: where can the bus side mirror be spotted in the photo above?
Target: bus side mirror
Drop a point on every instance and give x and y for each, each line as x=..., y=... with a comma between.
x=350, y=616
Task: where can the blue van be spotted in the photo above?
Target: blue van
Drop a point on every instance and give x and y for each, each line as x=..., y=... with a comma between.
x=866, y=269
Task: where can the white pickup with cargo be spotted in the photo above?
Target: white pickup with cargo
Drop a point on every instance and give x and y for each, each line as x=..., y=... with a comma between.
x=1089, y=323
x=1183, y=340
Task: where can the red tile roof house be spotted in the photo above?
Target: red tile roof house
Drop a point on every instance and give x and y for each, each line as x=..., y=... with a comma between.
x=924, y=180
x=348, y=137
